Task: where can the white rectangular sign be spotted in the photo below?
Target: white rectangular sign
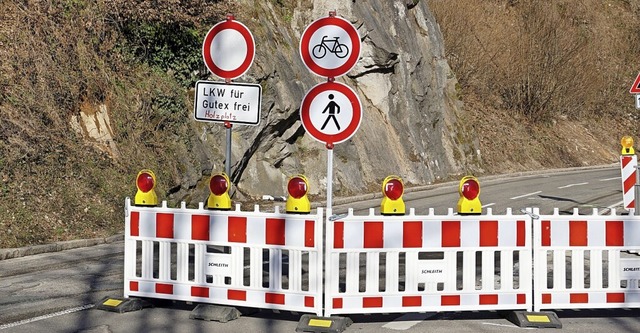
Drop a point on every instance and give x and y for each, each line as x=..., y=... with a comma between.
x=630, y=268
x=218, y=264
x=228, y=102
x=431, y=271
x=637, y=101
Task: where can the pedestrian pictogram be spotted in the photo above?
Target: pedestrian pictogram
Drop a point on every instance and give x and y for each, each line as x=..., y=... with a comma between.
x=635, y=88
x=330, y=46
x=228, y=49
x=331, y=112
x=333, y=109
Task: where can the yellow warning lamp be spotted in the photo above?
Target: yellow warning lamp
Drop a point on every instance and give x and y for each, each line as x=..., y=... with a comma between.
x=392, y=203
x=146, y=182
x=297, y=201
x=469, y=202
x=219, y=197
x=627, y=145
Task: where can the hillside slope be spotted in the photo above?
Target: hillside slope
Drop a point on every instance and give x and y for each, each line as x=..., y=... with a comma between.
x=92, y=92
x=545, y=84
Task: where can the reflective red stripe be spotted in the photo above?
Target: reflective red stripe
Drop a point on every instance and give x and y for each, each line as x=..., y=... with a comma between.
x=488, y=233
x=273, y=298
x=309, y=233
x=275, y=229
x=579, y=298
x=237, y=229
x=373, y=235
x=412, y=234
x=449, y=300
x=615, y=298
x=237, y=295
x=488, y=299
x=615, y=233
x=578, y=233
x=451, y=233
x=309, y=301
x=164, y=225
x=372, y=302
x=338, y=235
x=164, y=288
x=200, y=292
x=521, y=234
x=135, y=224
x=546, y=233
x=411, y=301
x=200, y=227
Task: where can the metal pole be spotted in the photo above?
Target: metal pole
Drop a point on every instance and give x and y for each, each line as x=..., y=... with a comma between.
x=227, y=162
x=636, y=193
x=329, y=175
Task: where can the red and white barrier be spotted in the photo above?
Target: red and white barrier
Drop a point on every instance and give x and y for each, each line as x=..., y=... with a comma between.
x=221, y=257
x=382, y=264
x=415, y=263
x=628, y=164
x=581, y=261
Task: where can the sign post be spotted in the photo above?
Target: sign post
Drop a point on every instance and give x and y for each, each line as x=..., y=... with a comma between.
x=331, y=112
x=228, y=51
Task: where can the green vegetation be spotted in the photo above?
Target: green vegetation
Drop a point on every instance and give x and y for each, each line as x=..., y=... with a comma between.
x=65, y=60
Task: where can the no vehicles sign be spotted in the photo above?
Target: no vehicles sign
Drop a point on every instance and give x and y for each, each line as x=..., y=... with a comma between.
x=225, y=102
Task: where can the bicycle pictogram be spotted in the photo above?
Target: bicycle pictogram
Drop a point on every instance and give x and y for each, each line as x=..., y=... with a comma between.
x=320, y=50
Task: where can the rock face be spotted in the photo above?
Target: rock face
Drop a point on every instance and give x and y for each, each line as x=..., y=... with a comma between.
x=412, y=120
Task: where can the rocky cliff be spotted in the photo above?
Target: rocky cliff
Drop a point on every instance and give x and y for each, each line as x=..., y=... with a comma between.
x=412, y=120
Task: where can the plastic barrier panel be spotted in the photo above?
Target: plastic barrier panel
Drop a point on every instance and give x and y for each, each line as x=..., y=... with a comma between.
x=251, y=259
x=583, y=261
x=413, y=263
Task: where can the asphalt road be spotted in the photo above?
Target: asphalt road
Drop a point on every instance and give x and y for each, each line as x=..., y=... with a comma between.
x=56, y=292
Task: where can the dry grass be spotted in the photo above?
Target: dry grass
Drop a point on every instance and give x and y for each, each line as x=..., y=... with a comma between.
x=520, y=64
x=57, y=58
x=545, y=83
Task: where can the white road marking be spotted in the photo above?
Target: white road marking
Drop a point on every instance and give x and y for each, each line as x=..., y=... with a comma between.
x=43, y=317
x=489, y=205
x=525, y=195
x=408, y=320
x=572, y=185
x=609, y=208
x=608, y=179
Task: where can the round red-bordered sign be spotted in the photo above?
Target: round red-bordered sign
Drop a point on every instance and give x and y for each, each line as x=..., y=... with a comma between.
x=331, y=112
x=228, y=49
x=330, y=46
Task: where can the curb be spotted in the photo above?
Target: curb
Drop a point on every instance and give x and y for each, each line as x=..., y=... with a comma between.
x=57, y=247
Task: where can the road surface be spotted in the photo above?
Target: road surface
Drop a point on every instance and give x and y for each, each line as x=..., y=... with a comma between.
x=57, y=292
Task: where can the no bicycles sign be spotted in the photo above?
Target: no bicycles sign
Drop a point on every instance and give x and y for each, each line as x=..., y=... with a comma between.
x=330, y=46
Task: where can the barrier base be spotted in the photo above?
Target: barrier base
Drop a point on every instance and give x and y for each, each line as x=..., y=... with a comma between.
x=219, y=313
x=122, y=305
x=544, y=319
x=311, y=323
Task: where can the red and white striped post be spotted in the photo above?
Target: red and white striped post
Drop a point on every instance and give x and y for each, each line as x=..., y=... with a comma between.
x=628, y=168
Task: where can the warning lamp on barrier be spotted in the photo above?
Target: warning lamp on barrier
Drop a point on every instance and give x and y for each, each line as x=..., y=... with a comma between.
x=146, y=182
x=392, y=190
x=219, y=197
x=627, y=145
x=469, y=202
x=297, y=201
